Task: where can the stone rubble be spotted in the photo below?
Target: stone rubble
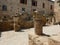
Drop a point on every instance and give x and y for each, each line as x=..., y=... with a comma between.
x=42, y=40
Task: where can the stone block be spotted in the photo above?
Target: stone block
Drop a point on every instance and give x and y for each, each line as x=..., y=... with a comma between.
x=4, y=26
x=39, y=21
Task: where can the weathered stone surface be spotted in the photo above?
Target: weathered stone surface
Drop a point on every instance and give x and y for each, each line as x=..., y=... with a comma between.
x=4, y=26
x=24, y=22
x=15, y=24
x=17, y=27
x=42, y=40
x=39, y=21
x=28, y=24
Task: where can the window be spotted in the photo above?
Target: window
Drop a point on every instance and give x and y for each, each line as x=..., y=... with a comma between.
x=51, y=7
x=23, y=1
x=34, y=3
x=4, y=8
x=43, y=5
x=23, y=9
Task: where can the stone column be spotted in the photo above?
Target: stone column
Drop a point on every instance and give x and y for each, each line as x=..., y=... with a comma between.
x=39, y=21
x=16, y=25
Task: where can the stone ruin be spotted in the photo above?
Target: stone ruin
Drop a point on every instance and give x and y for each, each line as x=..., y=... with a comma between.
x=39, y=22
x=15, y=23
x=22, y=21
x=6, y=23
x=37, y=38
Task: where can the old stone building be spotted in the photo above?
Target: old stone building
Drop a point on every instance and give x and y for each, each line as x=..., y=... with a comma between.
x=57, y=10
x=12, y=7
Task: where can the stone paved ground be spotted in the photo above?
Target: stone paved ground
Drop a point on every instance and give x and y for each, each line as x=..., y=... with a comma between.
x=14, y=38
x=21, y=38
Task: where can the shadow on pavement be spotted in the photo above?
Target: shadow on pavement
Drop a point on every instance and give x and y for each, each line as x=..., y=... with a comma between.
x=45, y=35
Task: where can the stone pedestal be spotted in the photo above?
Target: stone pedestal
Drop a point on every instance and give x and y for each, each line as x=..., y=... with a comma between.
x=39, y=21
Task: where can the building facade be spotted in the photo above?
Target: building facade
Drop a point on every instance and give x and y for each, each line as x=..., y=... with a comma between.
x=12, y=7
x=57, y=10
